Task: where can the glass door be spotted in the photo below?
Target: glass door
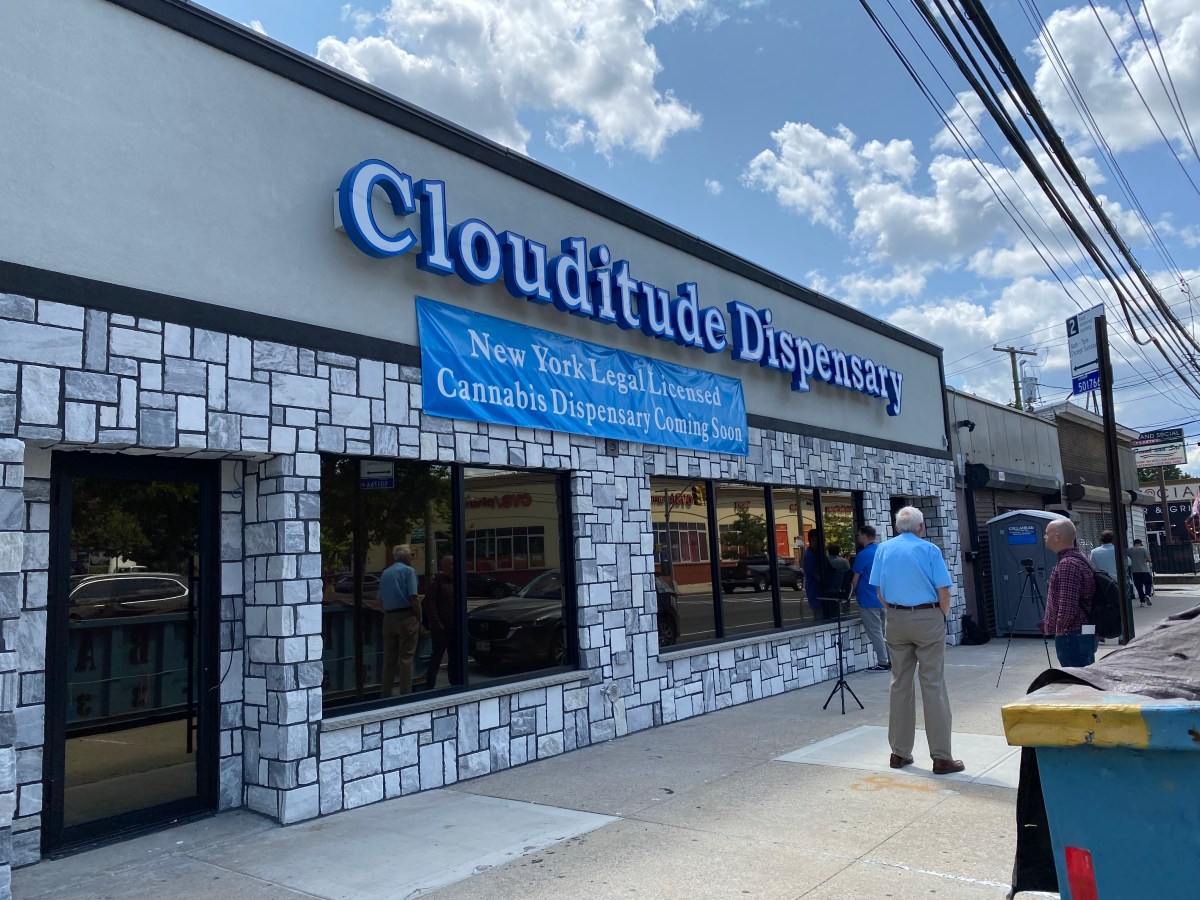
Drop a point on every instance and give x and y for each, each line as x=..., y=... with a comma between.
x=132, y=644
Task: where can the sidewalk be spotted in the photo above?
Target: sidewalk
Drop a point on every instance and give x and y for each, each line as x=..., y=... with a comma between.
x=702, y=808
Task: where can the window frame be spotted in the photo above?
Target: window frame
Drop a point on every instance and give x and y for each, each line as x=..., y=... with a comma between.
x=359, y=700
x=712, y=487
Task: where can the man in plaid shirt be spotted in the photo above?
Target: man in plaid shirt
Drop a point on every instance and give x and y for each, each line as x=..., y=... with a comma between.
x=1069, y=598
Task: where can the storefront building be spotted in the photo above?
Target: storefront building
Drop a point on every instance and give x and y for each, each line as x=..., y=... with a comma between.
x=261, y=324
x=1005, y=460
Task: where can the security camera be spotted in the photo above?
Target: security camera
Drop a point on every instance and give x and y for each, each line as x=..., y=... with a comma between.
x=966, y=423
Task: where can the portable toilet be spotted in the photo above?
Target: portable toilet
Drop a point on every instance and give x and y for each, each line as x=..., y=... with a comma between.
x=1021, y=565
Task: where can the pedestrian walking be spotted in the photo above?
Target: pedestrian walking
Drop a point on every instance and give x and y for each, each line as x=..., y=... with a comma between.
x=869, y=607
x=1104, y=557
x=401, y=621
x=1069, y=598
x=913, y=583
x=1143, y=571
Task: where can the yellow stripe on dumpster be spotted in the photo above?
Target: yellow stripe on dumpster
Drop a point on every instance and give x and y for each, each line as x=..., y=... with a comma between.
x=1058, y=724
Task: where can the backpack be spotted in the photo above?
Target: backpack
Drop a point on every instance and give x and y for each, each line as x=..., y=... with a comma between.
x=1105, y=613
x=974, y=633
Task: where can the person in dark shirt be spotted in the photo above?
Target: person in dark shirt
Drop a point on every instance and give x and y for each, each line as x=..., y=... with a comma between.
x=443, y=623
x=1069, y=598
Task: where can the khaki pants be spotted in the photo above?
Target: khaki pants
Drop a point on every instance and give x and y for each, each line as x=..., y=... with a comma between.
x=401, y=631
x=916, y=642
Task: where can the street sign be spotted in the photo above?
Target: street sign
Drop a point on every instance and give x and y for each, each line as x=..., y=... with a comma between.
x=1085, y=357
x=376, y=475
x=1164, y=447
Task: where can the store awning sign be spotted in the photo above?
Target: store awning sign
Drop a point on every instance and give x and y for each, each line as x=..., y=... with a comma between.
x=586, y=280
x=1163, y=447
x=486, y=369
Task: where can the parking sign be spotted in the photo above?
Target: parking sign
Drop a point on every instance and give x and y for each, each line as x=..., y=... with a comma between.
x=1085, y=357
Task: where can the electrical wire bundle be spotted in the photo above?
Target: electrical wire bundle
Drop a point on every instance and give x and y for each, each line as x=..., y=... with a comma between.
x=963, y=31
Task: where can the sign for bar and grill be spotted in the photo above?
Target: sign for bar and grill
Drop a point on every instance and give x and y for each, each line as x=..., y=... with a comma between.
x=1164, y=447
x=1085, y=355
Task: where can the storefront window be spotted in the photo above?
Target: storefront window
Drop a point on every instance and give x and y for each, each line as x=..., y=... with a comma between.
x=682, y=562
x=514, y=582
x=508, y=588
x=795, y=529
x=747, y=573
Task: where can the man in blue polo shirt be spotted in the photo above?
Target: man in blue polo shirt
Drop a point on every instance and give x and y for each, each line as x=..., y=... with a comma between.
x=914, y=584
x=870, y=610
x=401, y=621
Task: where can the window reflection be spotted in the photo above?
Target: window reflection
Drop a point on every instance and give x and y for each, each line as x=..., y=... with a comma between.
x=747, y=602
x=682, y=565
x=385, y=637
x=839, y=525
x=514, y=575
x=796, y=526
x=368, y=521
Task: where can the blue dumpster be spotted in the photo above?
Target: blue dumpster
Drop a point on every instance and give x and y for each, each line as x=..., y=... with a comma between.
x=1120, y=774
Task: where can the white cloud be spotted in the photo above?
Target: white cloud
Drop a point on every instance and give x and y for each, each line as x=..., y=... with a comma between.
x=1103, y=82
x=482, y=63
x=804, y=170
x=256, y=25
x=360, y=18
x=713, y=186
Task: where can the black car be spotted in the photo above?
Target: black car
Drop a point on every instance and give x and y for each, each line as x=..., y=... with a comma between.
x=754, y=572
x=122, y=594
x=483, y=585
x=527, y=629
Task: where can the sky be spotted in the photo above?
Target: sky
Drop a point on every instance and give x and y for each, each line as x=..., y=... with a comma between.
x=787, y=132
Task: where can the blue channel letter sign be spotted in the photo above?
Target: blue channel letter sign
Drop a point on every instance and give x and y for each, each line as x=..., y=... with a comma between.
x=486, y=369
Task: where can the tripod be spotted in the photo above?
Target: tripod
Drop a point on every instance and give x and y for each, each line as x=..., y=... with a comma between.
x=1028, y=586
x=840, y=685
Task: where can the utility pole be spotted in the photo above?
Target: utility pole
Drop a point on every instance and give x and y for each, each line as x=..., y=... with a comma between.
x=1114, y=476
x=1013, y=353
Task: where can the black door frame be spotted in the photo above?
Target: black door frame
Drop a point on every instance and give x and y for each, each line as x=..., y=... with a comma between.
x=65, y=465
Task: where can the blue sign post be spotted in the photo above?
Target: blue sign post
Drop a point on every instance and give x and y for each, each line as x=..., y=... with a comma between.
x=486, y=369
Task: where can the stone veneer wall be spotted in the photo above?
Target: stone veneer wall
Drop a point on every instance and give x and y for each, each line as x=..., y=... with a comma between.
x=76, y=378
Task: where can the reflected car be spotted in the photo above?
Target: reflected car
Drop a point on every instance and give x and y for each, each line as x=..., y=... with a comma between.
x=480, y=584
x=344, y=584
x=527, y=629
x=122, y=594
x=754, y=572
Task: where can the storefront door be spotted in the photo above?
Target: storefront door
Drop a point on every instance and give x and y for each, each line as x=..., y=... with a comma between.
x=132, y=645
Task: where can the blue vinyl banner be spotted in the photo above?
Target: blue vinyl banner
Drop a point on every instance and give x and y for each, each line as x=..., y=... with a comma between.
x=486, y=369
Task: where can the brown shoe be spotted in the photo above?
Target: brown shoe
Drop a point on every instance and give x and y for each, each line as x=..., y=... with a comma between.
x=896, y=761
x=948, y=766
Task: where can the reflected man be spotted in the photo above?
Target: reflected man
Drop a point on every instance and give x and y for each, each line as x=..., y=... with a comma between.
x=442, y=618
x=869, y=607
x=401, y=620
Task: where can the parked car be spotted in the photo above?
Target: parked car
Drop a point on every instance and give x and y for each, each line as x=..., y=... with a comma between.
x=754, y=572
x=121, y=594
x=527, y=628
x=480, y=584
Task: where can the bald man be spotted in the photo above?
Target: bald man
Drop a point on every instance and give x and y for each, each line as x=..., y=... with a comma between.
x=1069, y=598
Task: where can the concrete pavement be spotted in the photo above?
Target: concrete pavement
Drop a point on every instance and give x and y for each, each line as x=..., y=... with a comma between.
x=701, y=808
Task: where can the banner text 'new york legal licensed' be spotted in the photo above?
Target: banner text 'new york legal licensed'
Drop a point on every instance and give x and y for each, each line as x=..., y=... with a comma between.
x=486, y=369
